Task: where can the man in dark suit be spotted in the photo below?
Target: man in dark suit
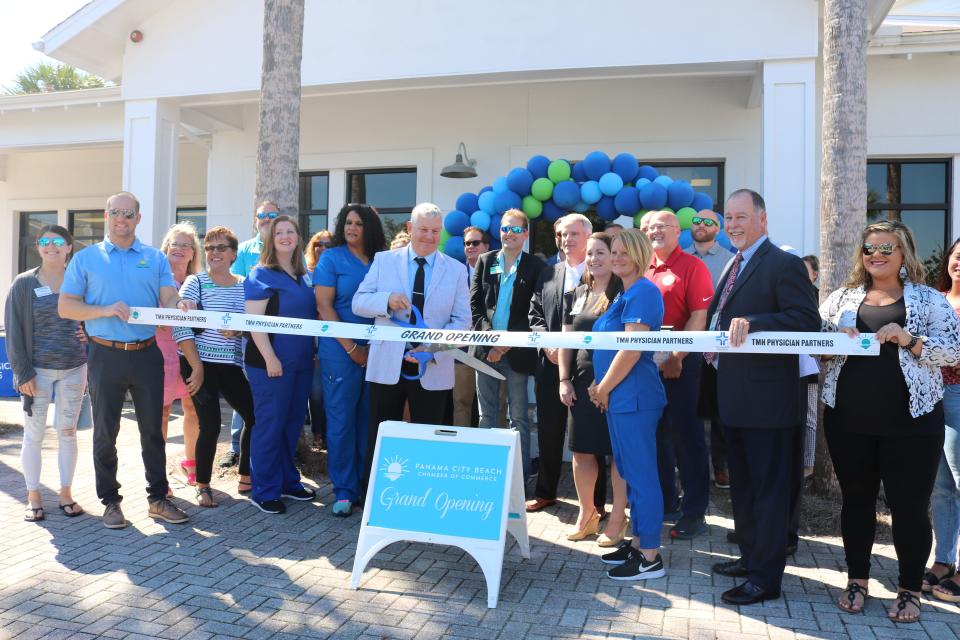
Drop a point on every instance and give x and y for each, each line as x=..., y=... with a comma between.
x=757, y=397
x=500, y=293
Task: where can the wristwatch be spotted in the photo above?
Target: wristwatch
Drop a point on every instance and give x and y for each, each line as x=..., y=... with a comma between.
x=913, y=342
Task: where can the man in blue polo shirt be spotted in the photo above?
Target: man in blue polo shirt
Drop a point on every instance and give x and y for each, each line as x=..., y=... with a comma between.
x=101, y=284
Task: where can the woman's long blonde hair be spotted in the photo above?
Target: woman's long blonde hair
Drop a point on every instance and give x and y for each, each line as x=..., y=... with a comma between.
x=268, y=255
x=916, y=272
x=187, y=229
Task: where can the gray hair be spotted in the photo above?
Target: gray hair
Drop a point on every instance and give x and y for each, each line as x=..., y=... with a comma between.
x=425, y=210
x=577, y=217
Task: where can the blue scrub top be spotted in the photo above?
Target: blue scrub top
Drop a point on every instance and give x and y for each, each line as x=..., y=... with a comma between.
x=104, y=273
x=340, y=269
x=641, y=390
x=296, y=300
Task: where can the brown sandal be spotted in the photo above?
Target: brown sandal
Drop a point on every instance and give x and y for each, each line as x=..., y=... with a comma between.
x=853, y=591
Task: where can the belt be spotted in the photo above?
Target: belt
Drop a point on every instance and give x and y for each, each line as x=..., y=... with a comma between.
x=124, y=346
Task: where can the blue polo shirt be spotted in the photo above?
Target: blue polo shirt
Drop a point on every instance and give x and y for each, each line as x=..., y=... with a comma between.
x=340, y=269
x=248, y=256
x=293, y=299
x=105, y=273
x=641, y=390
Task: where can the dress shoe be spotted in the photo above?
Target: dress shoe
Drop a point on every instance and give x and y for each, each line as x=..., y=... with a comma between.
x=732, y=568
x=539, y=504
x=732, y=537
x=688, y=528
x=606, y=541
x=672, y=516
x=721, y=479
x=590, y=528
x=749, y=593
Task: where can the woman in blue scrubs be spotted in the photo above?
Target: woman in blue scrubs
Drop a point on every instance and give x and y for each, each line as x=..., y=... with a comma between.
x=629, y=390
x=279, y=367
x=341, y=269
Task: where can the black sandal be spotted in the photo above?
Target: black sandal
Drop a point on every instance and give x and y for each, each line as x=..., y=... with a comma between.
x=206, y=492
x=930, y=579
x=71, y=510
x=33, y=514
x=904, y=600
x=952, y=589
x=853, y=590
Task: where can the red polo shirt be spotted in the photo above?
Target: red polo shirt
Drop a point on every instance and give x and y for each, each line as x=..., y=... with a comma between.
x=684, y=282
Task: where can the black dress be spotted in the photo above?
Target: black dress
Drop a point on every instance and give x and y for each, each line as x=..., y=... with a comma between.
x=586, y=425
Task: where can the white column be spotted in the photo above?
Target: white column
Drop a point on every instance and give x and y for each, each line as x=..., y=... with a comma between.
x=788, y=150
x=150, y=157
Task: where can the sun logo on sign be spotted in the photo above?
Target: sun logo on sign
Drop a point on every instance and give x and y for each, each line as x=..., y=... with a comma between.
x=324, y=327
x=394, y=468
x=865, y=343
x=587, y=339
x=136, y=314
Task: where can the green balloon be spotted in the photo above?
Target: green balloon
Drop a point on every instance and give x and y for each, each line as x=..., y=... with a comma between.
x=532, y=207
x=558, y=171
x=542, y=189
x=685, y=216
x=444, y=236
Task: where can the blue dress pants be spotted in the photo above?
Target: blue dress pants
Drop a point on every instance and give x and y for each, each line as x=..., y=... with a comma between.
x=633, y=437
x=280, y=409
x=347, y=404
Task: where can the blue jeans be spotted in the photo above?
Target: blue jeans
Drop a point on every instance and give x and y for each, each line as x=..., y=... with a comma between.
x=236, y=426
x=488, y=392
x=945, y=500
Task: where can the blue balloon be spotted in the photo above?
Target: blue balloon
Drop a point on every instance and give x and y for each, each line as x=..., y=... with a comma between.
x=625, y=165
x=486, y=201
x=467, y=202
x=519, y=181
x=495, y=225
x=455, y=222
x=581, y=207
x=500, y=185
x=653, y=196
x=627, y=201
x=663, y=181
x=578, y=173
x=648, y=172
x=480, y=219
x=702, y=201
x=596, y=164
x=454, y=247
x=495, y=243
x=537, y=166
x=686, y=238
x=606, y=209
x=484, y=190
x=724, y=241
x=551, y=212
x=610, y=183
x=566, y=194
x=506, y=200
x=590, y=192
x=679, y=194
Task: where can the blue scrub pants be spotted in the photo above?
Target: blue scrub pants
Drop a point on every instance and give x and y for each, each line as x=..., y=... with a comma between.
x=633, y=437
x=279, y=409
x=347, y=403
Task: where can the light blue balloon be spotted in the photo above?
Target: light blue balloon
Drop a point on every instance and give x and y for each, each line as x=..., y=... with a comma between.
x=581, y=206
x=486, y=201
x=590, y=192
x=480, y=219
x=641, y=182
x=663, y=181
x=610, y=183
x=724, y=241
x=500, y=185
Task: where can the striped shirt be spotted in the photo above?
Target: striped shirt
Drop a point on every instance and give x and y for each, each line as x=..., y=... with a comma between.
x=212, y=345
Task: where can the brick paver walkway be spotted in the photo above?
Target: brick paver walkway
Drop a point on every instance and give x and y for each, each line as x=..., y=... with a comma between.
x=234, y=572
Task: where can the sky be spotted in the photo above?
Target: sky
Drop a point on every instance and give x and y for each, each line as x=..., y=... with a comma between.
x=23, y=23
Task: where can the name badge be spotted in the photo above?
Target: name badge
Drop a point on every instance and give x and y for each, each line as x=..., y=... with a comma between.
x=578, y=306
x=496, y=269
x=43, y=291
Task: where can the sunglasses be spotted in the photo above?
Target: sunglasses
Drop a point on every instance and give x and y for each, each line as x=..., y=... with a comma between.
x=322, y=245
x=57, y=242
x=126, y=213
x=217, y=248
x=512, y=229
x=707, y=222
x=476, y=243
x=263, y=215
x=885, y=248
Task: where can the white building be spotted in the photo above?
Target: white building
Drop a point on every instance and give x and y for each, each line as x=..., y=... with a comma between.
x=729, y=92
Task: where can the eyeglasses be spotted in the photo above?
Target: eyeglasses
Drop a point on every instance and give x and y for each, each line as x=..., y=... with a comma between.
x=512, y=229
x=57, y=242
x=885, y=248
x=126, y=213
x=707, y=222
x=323, y=245
x=218, y=248
x=477, y=243
x=183, y=246
x=263, y=215
x=655, y=228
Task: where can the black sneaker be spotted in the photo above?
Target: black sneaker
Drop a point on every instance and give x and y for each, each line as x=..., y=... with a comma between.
x=302, y=494
x=688, y=528
x=638, y=568
x=621, y=555
x=270, y=506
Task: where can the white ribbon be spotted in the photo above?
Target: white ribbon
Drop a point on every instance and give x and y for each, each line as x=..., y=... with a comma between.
x=716, y=341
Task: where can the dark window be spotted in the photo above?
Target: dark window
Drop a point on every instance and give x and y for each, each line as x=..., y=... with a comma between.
x=392, y=191
x=917, y=193
x=30, y=224
x=196, y=216
x=87, y=227
x=314, y=190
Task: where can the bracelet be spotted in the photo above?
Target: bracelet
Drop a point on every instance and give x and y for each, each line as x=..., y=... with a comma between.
x=913, y=342
x=354, y=348
x=564, y=379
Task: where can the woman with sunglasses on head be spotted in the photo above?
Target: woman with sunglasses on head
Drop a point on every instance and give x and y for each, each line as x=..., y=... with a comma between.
x=182, y=248
x=212, y=359
x=49, y=359
x=341, y=269
x=884, y=420
x=319, y=242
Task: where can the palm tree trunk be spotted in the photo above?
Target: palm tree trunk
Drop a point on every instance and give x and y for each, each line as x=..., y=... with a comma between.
x=843, y=174
x=278, y=149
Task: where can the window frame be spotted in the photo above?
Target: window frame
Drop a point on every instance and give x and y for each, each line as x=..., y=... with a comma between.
x=71, y=217
x=383, y=211
x=187, y=209
x=304, y=197
x=23, y=248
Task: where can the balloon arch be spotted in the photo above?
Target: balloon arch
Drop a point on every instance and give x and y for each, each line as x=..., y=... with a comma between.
x=547, y=190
